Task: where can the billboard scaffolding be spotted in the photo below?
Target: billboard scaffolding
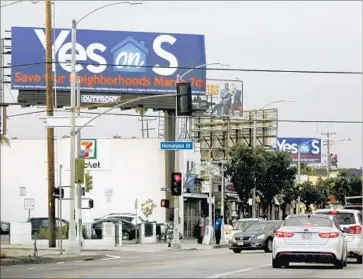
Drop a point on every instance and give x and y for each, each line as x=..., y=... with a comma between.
x=216, y=136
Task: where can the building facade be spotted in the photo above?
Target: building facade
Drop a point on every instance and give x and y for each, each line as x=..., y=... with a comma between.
x=123, y=170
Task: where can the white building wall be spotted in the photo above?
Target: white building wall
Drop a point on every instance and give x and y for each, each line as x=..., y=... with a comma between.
x=130, y=169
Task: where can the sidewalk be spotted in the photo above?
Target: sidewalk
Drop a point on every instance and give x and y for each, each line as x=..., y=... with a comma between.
x=19, y=250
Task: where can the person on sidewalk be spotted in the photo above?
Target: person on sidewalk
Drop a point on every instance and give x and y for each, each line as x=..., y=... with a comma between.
x=217, y=229
x=201, y=225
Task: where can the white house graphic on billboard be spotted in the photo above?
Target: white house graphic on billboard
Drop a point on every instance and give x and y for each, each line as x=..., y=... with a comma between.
x=89, y=148
x=128, y=53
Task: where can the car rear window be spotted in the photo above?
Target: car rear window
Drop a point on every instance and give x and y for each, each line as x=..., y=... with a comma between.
x=261, y=226
x=313, y=221
x=343, y=218
x=243, y=225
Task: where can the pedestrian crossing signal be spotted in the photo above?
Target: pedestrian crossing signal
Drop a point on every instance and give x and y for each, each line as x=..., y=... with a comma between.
x=164, y=203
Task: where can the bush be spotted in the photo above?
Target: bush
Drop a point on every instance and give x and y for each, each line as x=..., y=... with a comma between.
x=61, y=233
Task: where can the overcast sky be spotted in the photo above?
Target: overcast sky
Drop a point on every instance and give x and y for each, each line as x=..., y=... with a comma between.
x=303, y=35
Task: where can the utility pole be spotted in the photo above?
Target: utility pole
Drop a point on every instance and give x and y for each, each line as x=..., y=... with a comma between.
x=327, y=141
x=50, y=131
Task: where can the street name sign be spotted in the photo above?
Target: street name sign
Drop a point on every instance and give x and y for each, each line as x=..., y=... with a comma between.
x=176, y=145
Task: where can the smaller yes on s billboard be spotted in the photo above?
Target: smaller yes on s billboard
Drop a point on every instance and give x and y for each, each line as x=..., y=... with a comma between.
x=109, y=61
x=310, y=149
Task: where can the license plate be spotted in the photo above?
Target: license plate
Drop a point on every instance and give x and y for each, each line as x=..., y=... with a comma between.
x=306, y=236
x=240, y=243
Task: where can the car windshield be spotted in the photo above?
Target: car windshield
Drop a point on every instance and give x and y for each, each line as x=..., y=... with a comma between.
x=243, y=225
x=261, y=227
x=343, y=218
x=305, y=221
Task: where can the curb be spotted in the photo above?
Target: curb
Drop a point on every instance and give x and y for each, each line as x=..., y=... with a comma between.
x=8, y=261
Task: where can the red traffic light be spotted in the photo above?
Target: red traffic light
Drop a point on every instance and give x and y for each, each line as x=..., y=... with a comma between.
x=177, y=178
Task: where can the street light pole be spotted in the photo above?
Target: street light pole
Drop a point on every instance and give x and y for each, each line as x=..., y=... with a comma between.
x=254, y=176
x=254, y=144
x=74, y=245
x=299, y=171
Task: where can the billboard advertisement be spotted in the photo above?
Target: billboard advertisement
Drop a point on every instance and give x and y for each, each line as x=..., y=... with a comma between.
x=109, y=61
x=225, y=97
x=310, y=149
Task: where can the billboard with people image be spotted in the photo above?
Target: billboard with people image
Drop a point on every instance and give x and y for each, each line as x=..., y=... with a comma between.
x=225, y=97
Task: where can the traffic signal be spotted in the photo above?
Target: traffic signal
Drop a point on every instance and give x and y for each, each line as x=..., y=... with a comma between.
x=83, y=191
x=88, y=185
x=164, y=203
x=184, y=99
x=176, y=183
x=58, y=193
x=90, y=203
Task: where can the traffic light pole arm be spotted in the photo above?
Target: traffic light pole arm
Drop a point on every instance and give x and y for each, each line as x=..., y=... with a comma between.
x=120, y=105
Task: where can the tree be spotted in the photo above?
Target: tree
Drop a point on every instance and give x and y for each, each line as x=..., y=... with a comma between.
x=4, y=141
x=147, y=208
x=272, y=170
x=311, y=194
x=279, y=176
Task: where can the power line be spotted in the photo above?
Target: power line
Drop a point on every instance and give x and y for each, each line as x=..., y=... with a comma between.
x=201, y=69
x=205, y=117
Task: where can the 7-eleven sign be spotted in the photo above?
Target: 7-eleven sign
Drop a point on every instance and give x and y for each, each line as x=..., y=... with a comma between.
x=89, y=148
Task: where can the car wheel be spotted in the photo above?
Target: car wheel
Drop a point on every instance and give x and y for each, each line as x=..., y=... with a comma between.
x=237, y=251
x=276, y=263
x=125, y=236
x=339, y=264
x=359, y=259
x=268, y=246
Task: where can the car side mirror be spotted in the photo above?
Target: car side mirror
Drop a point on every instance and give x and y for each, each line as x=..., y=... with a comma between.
x=345, y=230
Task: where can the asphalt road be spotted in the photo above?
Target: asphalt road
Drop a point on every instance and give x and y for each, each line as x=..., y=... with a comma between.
x=216, y=263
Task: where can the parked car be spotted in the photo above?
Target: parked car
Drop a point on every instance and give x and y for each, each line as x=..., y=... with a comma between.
x=39, y=223
x=258, y=236
x=309, y=238
x=128, y=228
x=130, y=217
x=4, y=228
x=242, y=224
x=352, y=221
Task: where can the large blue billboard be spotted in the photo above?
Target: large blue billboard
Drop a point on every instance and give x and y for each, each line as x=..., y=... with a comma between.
x=310, y=149
x=109, y=61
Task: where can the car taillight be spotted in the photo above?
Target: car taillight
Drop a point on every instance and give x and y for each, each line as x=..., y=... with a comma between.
x=329, y=235
x=284, y=234
x=133, y=228
x=355, y=229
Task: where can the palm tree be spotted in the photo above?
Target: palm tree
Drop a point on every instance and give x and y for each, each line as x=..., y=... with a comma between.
x=4, y=141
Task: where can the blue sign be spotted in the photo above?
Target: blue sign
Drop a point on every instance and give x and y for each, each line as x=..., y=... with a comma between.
x=176, y=145
x=310, y=149
x=109, y=61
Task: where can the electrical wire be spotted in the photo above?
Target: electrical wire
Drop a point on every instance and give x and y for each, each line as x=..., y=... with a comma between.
x=200, y=69
x=202, y=117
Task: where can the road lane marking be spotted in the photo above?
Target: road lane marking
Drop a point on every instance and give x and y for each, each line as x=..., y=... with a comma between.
x=221, y=275
x=110, y=257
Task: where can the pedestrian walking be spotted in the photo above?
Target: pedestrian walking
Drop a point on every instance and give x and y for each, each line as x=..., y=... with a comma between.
x=201, y=225
x=217, y=229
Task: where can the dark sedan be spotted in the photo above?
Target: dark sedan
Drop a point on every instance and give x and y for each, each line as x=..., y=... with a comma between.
x=128, y=228
x=259, y=236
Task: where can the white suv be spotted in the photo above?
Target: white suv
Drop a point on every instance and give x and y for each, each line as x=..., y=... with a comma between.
x=351, y=219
